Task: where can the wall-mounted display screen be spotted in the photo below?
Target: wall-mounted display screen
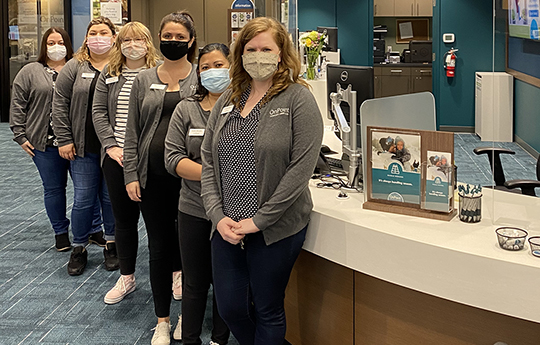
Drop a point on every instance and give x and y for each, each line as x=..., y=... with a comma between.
x=523, y=18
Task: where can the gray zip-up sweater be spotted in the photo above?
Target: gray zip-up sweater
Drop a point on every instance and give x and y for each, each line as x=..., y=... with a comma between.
x=104, y=108
x=145, y=106
x=287, y=145
x=184, y=139
x=31, y=99
x=70, y=104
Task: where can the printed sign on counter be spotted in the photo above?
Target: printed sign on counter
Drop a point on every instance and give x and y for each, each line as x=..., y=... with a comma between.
x=438, y=181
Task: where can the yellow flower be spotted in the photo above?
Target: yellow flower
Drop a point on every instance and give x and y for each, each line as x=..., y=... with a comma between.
x=308, y=42
x=313, y=35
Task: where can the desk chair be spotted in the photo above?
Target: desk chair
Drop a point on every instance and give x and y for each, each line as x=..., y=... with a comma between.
x=493, y=154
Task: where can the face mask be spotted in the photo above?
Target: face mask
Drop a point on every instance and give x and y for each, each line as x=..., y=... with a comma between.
x=99, y=44
x=134, y=51
x=215, y=80
x=260, y=65
x=173, y=50
x=56, y=52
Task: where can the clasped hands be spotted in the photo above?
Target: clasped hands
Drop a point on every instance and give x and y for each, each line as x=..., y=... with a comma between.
x=233, y=232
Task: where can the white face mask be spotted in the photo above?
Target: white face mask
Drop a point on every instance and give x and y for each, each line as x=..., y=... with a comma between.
x=134, y=51
x=260, y=65
x=99, y=44
x=56, y=52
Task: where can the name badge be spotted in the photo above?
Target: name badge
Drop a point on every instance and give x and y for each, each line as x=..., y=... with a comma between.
x=196, y=132
x=227, y=109
x=88, y=75
x=111, y=80
x=158, y=87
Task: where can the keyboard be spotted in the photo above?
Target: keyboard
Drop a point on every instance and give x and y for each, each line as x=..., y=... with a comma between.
x=335, y=163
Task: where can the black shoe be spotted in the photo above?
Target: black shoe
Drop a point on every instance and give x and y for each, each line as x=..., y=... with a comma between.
x=77, y=261
x=111, y=259
x=97, y=238
x=62, y=242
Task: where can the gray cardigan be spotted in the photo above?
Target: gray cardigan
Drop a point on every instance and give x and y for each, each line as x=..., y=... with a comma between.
x=30, y=109
x=184, y=139
x=287, y=145
x=104, y=109
x=70, y=104
x=145, y=106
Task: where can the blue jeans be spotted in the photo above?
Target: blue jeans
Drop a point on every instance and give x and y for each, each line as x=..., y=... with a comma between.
x=90, y=197
x=249, y=285
x=53, y=171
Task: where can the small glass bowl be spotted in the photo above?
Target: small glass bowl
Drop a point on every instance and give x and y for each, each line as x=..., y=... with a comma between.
x=534, y=242
x=511, y=238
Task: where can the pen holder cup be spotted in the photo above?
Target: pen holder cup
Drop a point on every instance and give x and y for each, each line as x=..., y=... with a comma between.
x=470, y=208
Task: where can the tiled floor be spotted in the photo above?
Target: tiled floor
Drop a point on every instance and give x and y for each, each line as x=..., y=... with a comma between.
x=41, y=304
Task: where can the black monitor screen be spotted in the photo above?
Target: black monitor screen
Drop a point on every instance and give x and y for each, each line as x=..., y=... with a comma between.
x=332, y=45
x=361, y=79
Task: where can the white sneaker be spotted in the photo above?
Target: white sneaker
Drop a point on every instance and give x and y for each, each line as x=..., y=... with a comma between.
x=177, y=285
x=162, y=334
x=177, y=335
x=124, y=286
x=213, y=343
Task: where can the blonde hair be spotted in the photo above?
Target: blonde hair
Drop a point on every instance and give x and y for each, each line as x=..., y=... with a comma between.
x=288, y=69
x=117, y=59
x=82, y=54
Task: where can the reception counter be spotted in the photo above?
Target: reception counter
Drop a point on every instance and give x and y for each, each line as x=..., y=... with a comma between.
x=368, y=277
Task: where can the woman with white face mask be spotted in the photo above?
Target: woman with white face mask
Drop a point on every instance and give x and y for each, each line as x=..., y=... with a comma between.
x=259, y=150
x=79, y=144
x=30, y=121
x=183, y=159
x=132, y=53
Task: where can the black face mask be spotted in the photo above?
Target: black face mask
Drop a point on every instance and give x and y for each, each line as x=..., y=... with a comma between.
x=173, y=50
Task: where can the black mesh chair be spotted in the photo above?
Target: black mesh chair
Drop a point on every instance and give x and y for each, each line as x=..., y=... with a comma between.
x=493, y=153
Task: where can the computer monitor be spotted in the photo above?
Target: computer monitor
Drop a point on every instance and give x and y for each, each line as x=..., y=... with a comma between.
x=332, y=45
x=361, y=79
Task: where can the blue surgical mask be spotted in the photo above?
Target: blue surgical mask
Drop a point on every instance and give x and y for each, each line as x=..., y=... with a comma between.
x=215, y=80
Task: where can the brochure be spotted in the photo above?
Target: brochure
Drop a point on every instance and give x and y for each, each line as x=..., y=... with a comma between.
x=438, y=181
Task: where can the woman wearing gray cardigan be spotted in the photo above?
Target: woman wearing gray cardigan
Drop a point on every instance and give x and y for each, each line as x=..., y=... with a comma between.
x=30, y=121
x=259, y=151
x=78, y=143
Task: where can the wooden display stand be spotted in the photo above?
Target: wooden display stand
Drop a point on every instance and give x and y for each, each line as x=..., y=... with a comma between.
x=430, y=141
x=237, y=20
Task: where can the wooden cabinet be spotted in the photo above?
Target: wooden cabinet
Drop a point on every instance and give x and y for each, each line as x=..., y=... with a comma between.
x=383, y=8
x=403, y=8
x=400, y=80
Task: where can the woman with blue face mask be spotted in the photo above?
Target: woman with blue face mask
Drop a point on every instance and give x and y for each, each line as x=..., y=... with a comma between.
x=183, y=159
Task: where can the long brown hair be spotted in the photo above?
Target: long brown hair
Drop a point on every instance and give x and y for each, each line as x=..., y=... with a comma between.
x=288, y=69
x=82, y=54
x=186, y=20
x=42, y=58
x=117, y=59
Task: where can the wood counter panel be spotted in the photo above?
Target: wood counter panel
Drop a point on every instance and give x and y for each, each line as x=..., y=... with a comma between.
x=390, y=314
x=319, y=302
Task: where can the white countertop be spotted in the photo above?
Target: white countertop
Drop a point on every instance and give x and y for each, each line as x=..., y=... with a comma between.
x=454, y=260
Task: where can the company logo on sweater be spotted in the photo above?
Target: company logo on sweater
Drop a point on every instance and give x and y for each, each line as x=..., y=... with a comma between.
x=279, y=111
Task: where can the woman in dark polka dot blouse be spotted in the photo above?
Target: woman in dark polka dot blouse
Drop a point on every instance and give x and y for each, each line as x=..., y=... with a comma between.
x=260, y=148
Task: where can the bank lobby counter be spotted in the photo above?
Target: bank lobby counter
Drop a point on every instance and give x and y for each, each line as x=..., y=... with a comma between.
x=369, y=277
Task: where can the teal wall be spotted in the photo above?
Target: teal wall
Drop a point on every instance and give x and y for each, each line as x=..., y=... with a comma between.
x=354, y=20
x=526, y=113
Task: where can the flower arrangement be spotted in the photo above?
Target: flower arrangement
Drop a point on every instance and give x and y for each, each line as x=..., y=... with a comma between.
x=312, y=42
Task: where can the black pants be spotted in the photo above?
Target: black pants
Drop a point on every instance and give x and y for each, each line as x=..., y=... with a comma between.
x=159, y=206
x=194, y=236
x=126, y=215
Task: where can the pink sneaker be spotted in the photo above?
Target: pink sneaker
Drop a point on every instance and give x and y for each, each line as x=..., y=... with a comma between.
x=177, y=285
x=124, y=286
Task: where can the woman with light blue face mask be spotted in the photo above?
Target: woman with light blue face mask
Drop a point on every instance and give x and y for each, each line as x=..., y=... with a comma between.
x=183, y=159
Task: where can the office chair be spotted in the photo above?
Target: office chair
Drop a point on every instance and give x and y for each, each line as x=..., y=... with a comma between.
x=493, y=153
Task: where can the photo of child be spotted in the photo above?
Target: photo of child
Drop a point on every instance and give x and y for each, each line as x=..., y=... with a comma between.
x=395, y=147
x=439, y=165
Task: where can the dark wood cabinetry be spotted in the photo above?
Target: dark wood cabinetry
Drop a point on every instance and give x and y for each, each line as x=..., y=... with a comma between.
x=400, y=79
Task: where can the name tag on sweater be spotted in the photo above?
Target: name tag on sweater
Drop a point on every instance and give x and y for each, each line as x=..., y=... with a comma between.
x=158, y=87
x=88, y=75
x=111, y=80
x=196, y=132
x=227, y=109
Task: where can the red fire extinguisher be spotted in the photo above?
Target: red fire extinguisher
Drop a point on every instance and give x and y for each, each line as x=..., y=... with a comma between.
x=450, y=63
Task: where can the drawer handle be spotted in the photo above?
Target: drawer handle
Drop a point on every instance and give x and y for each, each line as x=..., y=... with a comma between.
x=396, y=71
x=425, y=71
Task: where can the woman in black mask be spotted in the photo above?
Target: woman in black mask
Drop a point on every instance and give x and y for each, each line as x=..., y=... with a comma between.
x=154, y=96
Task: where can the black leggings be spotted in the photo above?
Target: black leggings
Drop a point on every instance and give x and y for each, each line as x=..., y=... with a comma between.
x=126, y=216
x=194, y=236
x=159, y=206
